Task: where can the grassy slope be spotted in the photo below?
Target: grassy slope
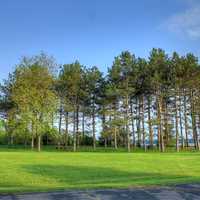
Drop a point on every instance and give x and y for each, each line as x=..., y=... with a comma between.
x=32, y=171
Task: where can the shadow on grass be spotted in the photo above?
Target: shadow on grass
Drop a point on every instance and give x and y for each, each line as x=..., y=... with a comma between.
x=95, y=177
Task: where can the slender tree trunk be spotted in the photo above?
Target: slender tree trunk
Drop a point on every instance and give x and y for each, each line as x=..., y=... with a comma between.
x=194, y=128
x=138, y=124
x=25, y=139
x=77, y=127
x=74, y=131
x=39, y=143
x=159, y=123
x=83, y=125
x=32, y=135
x=161, y=107
x=143, y=128
x=66, y=128
x=115, y=126
x=176, y=124
x=93, y=127
x=60, y=119
x=105, y=142
x=166, y=122
x=181, y=124
x=103, y=128
x=185, y=120
x=150, y=123
x=115, y=137
x=60, y=125
x=32, y=142
x=127, y=123
x=132, y=124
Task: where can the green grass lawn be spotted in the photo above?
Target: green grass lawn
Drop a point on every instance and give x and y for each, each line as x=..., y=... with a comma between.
x=24, y=171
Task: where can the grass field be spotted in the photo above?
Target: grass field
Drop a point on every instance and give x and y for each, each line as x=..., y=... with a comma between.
x=24, y=171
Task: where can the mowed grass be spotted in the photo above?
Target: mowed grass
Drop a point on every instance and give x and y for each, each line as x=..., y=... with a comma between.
x=26, y=171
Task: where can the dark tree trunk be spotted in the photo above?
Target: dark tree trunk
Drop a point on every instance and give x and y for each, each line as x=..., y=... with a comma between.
x=60, y=119
x=186, y=120
x=74, y=131
x=32, y=135
x=162, y=142
x=115, y=137
x=160, y=123
x=181, y=124
x=93, y=127
x=176, y=124
x=150, y=123
x=143, y=125
x=127, y=123
x=132, y=124
x=39, y=143
x=115, y=126
x=83, y=125
x=77, y=126
x=66, y=128
x=194, y=128
x=166, y=123
x=105, y=142
x=138, y=124
x=103, y=128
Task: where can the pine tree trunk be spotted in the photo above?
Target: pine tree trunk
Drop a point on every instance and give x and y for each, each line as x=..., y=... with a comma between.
x=77, y=127
x=103, y=128
x=74, y=131
x=32, y=142
x=159, y=123
x=181, y=124
x=185, y=120
x=60, y=119
x=127, y=123
x=166, y=131
x=132, y=124
x=39, y=143
x=160, y=105
x=25, y=140
x=176, y=124
x=115, y=137
x=143, y=128
x=115, y=126
x=149, y=122
x=32, y=135
x=138, y=124
x=83, y=126
x=105, y=142
x=93, y=127
x=194, y=128
x=66, y=128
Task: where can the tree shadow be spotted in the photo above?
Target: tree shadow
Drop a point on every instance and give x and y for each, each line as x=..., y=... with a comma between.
x=96, y=177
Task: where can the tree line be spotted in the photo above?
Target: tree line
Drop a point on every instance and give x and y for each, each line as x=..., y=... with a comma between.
x=140, y=103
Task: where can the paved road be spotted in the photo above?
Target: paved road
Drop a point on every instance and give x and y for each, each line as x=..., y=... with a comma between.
x=179, y=192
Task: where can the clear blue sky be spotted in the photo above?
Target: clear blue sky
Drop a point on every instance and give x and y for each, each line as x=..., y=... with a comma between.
x=94, y=31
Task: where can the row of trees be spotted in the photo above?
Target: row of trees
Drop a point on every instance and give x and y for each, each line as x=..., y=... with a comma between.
x=145, y=103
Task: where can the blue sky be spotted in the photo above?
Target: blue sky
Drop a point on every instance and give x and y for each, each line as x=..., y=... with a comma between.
x=94, y=31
